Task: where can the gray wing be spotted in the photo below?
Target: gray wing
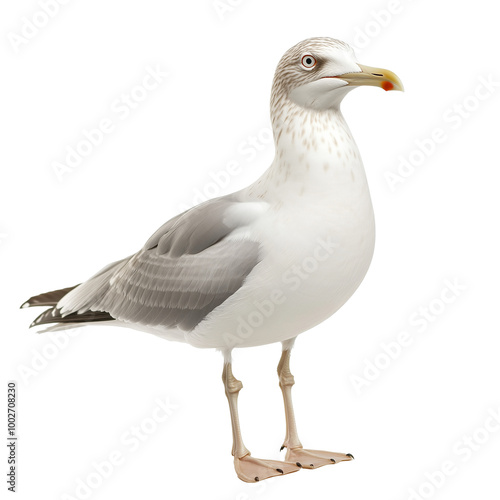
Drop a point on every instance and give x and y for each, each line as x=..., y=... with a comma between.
x=190, y=266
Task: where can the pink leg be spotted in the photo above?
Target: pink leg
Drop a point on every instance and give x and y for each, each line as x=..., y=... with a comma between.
x=308, y=459
x=248, y=468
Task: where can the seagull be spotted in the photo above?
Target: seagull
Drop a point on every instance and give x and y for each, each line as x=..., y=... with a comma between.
x=263, y=264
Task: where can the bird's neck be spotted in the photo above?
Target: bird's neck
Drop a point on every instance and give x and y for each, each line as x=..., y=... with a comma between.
x=315, y=154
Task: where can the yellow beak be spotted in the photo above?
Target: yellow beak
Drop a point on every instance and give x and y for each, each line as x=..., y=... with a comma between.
x=375, y=77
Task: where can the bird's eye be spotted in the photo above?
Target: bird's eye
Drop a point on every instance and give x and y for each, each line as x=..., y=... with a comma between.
x=308, y=61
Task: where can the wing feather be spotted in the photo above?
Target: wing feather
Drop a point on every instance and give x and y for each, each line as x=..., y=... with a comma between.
x=188, y=267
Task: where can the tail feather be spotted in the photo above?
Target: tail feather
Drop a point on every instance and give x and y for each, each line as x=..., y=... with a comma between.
x=47, y=298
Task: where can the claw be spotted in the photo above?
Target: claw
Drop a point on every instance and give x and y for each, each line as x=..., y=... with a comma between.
x=314, y=459
x=280, y=471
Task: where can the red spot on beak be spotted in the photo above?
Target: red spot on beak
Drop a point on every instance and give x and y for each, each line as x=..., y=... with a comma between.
x=387, y=85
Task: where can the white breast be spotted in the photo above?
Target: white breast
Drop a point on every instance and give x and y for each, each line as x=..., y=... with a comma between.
x=317, y=236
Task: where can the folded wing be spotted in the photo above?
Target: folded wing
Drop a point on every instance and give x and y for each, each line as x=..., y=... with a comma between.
x=190, y=266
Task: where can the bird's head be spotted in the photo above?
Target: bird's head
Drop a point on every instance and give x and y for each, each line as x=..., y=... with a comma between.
x=318, y=72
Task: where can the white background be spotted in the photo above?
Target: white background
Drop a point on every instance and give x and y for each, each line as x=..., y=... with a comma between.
x=440, y=223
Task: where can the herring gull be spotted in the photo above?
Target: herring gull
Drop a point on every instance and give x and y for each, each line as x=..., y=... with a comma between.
x=263, y=264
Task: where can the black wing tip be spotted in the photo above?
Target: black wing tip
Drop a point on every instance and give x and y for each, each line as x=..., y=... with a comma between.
x=53, y=316
x=47, y=299
x=41, y=319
